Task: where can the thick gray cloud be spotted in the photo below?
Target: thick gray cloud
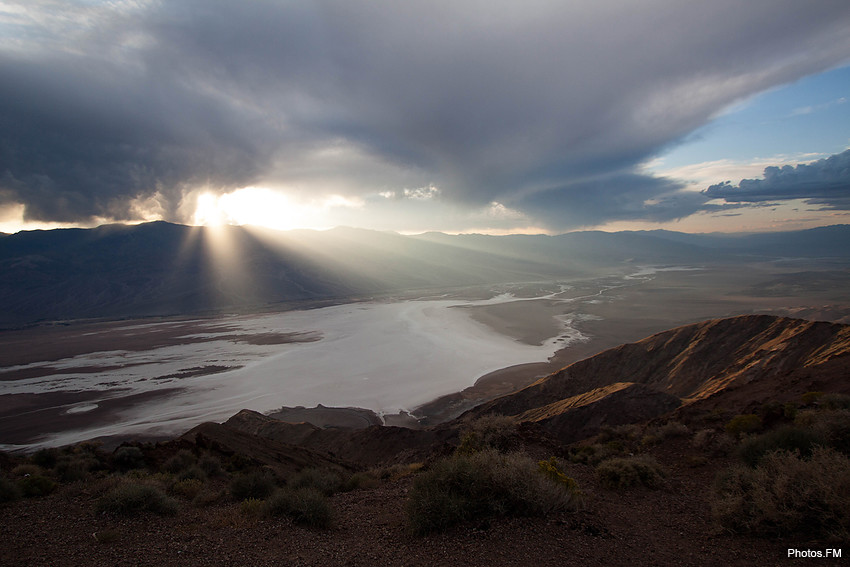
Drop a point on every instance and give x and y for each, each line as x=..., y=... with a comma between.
x=536, y=105
x=618, y=197
x=825, y=182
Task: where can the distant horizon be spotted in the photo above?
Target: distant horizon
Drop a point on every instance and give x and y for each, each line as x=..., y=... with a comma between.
x=448, y=233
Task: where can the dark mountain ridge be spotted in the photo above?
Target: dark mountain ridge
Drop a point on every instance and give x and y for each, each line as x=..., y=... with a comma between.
x=734, y=365
x=158, y=268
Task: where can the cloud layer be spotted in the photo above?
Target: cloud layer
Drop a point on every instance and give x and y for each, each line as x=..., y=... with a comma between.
x=547, y=108
x=825, y=182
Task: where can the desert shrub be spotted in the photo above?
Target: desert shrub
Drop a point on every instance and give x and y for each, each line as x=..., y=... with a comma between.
x=625, y=472
x=551, y=469
x=786, y=495
x=127, y=458
x=395, y=472
x=45, y=458
x=835, y=401
x=486, y=484
x=325, y=481
x=743, y=424
x=193, y=472
x=713, y=443
x=26, y=469
x=672, y=429
x=489, y=432
x=211, y=466
x=702, y=438
x=360, y=480
x=9, y=491
x=305, y=505
x=252, y=506
x=788, y=437
x=810, y=398
x=72, y=468
x=831, y=426
x=595, y=454
x=180, y=461
x=207, y=496
x=130, y=499
x=254, y=484
x=35, y=485
x=187, y=488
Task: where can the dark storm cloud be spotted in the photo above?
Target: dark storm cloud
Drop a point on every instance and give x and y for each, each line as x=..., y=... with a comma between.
x=610, y=198
x=825, y=182
x=499, y=101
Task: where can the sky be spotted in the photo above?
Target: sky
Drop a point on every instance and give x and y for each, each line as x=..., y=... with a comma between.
x=463, y=116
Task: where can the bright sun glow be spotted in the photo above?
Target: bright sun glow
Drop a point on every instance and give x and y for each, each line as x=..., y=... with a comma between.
x=262, y=207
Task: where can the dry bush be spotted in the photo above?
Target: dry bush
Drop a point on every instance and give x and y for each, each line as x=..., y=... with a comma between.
x=597, y=453
x=395, y=472
x=831, y=426
x=787, y=437
x=486, y=484
x=490, y=432
x=132, y=498
x=128, y=457
x=180, y=461
x=672, y=429
x=626, y=472
x=187, y=488
x=743, y=424
x=72, y=468
x=305, y=505
x=835, y=401
x=361, y=480
x=254, y=484
x=786, y=495
x=323, y=480
x=26, y=469
x=211, y=466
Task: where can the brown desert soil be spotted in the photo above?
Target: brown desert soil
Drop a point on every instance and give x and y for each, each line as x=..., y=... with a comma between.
x=670, y=526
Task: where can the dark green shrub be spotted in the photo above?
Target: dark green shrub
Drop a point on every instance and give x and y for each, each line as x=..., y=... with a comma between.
x=835, y=401
x=127, y=458
x=360, y=480
x=211, y=466
x=831, y=426
x=130, y=499
x=490, y=432
x=325, y=481
x=743, y=424
x=672, y=429
x=486, y=484
x=45, y=458
x=625, y=472
x=72, y=468
x=181, y=460
x=810, y=398
x=9, y=491
x=187, y=488
x=193, y=472
x=34, y=485
x=787, y=496
x=305, y=505
x=595, y=454
x=788, y=438
x=254, y=484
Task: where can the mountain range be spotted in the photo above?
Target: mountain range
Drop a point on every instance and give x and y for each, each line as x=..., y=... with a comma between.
x=158, y=268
